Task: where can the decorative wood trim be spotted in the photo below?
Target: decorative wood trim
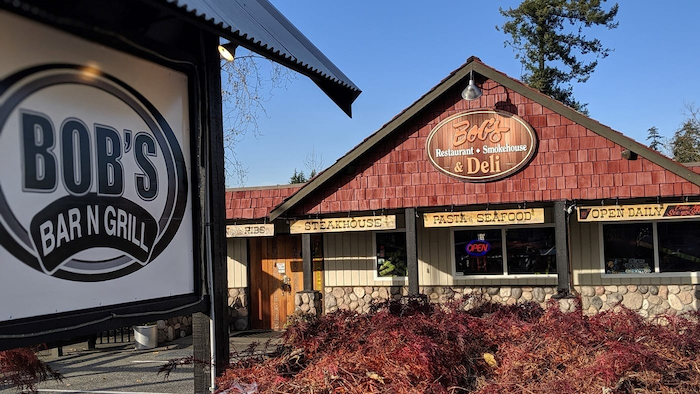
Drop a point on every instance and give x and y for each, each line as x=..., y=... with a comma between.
x=484, y=218
x=617, y=213
x=337, y=225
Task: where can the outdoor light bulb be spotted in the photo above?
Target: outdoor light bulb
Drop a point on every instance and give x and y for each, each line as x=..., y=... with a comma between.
x=225, y=53
x=90, y=71
x=472, y=92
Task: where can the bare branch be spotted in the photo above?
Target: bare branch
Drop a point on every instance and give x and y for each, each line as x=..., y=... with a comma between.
x=314, y=162
x=247, y=84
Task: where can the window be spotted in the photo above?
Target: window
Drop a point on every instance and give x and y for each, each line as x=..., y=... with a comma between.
x=651, y=247
x=531, y=250
x=391, y=254
x=479, y=252
x=679, y=246
x=526, y=251
x=629, y=248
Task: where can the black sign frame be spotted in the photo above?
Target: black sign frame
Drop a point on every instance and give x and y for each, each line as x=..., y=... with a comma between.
x=79, y=323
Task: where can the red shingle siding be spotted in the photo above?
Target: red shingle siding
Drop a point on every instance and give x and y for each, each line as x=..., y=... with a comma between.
x=572, y=163
x=256, y=203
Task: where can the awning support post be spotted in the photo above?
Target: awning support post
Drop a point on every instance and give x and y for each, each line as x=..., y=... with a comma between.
x=411, y=251
x=308, y=301
x=561, y=230
x=308, y=265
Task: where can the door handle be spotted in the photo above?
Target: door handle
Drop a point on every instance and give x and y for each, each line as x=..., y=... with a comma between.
x=286, y=284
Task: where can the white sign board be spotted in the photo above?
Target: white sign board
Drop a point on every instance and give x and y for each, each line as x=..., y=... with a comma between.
x=95, y=205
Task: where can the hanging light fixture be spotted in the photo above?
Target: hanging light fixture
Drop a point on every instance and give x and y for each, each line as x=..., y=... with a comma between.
x=472, y=92
x=227, y=51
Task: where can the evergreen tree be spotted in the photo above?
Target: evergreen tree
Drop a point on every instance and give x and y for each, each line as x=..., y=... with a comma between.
x=656, y=139
x=548, y=38
x=685, y=145
x=298, y=177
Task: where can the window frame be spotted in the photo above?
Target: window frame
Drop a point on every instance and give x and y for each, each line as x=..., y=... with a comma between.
x=399, y=280
x=504, y=251
x=656, y=273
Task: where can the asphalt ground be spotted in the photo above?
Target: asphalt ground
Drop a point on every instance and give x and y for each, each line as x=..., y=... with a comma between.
x=119, y=368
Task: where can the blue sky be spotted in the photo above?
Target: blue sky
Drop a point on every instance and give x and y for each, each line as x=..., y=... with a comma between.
x=395, y=51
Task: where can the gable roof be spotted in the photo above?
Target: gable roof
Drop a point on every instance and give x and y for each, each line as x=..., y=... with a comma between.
x=458, y=76
x=255, y=203
x=253, y=24
x=258, y=26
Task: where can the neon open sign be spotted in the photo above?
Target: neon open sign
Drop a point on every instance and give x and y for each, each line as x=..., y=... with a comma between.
x=478, y=247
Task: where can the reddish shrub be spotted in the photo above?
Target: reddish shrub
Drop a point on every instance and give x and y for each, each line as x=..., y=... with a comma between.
x=412, y=346
x=20, y=368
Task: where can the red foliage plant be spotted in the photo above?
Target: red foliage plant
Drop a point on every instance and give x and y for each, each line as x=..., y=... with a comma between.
x=412, y=346
x=22, y=369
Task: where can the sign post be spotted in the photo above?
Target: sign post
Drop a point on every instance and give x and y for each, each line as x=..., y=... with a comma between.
x=111, y=162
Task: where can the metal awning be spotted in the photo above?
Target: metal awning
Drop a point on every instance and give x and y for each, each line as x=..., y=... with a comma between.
x=258, y=26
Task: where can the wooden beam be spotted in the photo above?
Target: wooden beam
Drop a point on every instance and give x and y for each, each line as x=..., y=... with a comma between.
x=411, y=251
x=308, y=262
x=561, y=230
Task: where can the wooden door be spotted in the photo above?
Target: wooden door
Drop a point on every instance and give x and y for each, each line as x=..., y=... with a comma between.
x=276, y=274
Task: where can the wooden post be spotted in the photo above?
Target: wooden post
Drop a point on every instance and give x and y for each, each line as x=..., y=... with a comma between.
x=561, y=229
x=411, y=251
x=200, y=351
x=308, y=262
x=213, y=142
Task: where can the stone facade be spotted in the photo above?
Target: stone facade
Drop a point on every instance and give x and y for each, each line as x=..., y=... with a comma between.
x=308, y=303
x=359, y=298
x=647, y=300
x=238, y=308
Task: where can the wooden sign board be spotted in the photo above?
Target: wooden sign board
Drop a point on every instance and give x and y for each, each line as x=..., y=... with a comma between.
x=336, y=225
x=484, y=218
x=481, y=146
x=616, y=213
x=250, y=230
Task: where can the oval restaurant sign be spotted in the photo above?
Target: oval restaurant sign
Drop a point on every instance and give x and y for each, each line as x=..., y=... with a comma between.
x=95, y=196
x=481, y=146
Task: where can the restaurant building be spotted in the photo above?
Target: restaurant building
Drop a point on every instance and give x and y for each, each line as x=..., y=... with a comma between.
x=499, y=190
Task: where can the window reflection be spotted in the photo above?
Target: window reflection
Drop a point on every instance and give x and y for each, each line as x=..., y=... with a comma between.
x=679, y=246
x=531, y=251
x=628, y=248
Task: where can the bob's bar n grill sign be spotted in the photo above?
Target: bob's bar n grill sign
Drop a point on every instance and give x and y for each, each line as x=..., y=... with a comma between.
x=94, y=175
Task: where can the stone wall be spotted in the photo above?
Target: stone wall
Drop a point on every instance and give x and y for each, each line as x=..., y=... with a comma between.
x=238, y=308
x=649, y=301
x=359, y=298
x=175, y=327
x=308, y=302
